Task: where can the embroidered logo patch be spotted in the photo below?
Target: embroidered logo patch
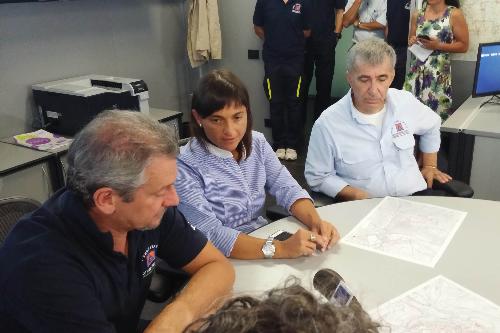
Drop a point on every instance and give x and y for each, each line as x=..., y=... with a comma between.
x=399, y=129
x=149, y=260
x=296, y=8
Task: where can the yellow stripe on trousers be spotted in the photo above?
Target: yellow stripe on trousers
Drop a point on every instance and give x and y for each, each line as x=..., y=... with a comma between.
x=269, y=88
x=298, y=86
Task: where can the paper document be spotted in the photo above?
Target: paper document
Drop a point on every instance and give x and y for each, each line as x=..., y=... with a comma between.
x=420, y=52
x=438, y=305
x=406, y=230
x=42, y=140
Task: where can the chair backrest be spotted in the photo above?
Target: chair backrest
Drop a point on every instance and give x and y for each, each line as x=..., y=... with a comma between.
x=11, y=210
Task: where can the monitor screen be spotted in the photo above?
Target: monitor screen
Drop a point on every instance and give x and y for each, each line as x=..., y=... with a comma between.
x=487, y=77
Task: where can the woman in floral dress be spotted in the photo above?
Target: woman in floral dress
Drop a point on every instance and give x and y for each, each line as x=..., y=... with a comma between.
x=439, y=26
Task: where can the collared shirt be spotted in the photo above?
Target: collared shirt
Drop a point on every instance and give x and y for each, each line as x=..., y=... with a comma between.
x=59, y=272
x=346, y=150
x=284, y=26
x=398, y=22
x=369, y=11
x=223, y=197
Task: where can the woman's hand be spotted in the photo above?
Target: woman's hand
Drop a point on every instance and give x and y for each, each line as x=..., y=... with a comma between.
x=328, y=232
x=302, y=243
x=430, y=44
x=412, y=40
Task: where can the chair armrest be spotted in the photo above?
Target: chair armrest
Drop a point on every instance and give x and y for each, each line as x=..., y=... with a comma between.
x=276, y=212
x=166, y=282
x=321, y=199
x=455, y=188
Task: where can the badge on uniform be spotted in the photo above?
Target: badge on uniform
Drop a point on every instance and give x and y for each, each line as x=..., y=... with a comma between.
x=296, y=8
x=149, y=260
x=399, y=129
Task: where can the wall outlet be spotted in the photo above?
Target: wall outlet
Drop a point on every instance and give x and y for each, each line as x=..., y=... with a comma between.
x=267, y=122
x=253, y=54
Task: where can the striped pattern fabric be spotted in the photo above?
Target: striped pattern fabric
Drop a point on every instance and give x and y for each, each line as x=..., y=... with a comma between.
x=223, y=197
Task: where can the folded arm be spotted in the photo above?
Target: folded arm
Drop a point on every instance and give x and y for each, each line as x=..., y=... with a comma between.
x=370, y=26
x=351, y=12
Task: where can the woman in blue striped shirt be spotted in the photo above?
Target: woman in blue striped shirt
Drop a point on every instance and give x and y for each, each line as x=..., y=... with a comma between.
x=225, y=171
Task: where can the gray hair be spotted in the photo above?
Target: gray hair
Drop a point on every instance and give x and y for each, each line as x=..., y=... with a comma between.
x=113, y=151
x=371, y=51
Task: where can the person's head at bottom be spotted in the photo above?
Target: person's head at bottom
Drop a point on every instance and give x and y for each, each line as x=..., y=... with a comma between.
x=221, y=113
x=288, y=309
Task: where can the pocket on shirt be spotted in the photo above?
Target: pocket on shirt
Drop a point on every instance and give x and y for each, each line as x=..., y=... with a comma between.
x=405, y=147
x=355, y=167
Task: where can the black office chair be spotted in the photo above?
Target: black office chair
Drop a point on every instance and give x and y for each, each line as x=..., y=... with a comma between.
x=11, y=210
x=276, y=212
x=166, y=282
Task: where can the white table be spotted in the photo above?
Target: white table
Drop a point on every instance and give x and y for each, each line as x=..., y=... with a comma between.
x=471, y=258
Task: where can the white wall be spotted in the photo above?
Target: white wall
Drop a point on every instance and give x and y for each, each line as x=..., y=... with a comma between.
x=237, y=38
x=47, y=41
x=142, y=39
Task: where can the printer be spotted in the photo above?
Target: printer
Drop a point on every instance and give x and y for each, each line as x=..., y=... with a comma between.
x=66, y=106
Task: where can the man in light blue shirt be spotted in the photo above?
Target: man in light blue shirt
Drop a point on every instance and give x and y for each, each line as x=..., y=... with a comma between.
x=363, y=145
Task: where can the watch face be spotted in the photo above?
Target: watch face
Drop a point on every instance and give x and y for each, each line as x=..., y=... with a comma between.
x=268, y=250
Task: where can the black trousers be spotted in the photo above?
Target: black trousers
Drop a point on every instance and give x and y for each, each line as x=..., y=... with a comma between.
x=399, y=78
x=282, y=84
x=320, y=59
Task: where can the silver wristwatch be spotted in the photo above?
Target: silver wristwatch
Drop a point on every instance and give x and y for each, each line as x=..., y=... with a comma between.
x=268, y=248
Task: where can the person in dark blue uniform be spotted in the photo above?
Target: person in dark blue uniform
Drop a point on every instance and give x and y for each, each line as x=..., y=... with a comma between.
x=326, y=31
x=284, y=27
x=397, y=28
x=83, y=261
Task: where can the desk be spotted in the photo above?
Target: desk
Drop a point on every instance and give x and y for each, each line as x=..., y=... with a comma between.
x=24, y=172
x=474, y=154
x=169, y=117
x=470, y=259
x=17, y=158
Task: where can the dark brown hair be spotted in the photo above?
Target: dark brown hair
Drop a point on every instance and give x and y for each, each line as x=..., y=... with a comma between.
x=291, y=309
x=215, y=91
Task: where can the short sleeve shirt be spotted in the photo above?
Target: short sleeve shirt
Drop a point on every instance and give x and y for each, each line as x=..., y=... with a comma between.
x=398, y=22
x=323, y=24
x=60, y=273
x=284, y=26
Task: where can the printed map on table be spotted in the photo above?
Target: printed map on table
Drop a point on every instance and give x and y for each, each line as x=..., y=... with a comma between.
x=438, y=305
x=406, y=230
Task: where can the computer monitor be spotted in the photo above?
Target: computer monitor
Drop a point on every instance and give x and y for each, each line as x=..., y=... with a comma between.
x=487, y=77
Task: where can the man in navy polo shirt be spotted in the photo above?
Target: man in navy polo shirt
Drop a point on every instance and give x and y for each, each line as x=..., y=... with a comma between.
x=83, y=261
x=398, y=23
x=284, y=26
x=326, y=28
